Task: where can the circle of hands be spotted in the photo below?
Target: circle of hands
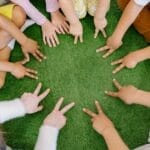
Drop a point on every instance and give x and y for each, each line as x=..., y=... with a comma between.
x=56, y=118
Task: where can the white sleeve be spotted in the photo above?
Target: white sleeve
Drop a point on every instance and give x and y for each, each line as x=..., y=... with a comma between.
x=142, y=2
x=11, y=109
x=47, y=139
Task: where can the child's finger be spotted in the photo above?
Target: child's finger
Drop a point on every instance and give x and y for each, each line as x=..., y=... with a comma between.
x=67, y=108
x=59, y=103
x=44, y=39
x=53, y=41
x=104, y=33
x=118, y=68
x=81, y=38
x=117, y=62
x=75, y=39
x=37, y=57
x=108, y=53
x=27, y=57
x=56, y=39
x=89, y=112
x=117, y=84
x=43, y=95
x=31, y=71
x=102, y=48
x=61, y=30
x=38, y=88
x=66, y=27
x=113, y=94
x=48, y=41
x=39, y=108
x=96, y=33
x=40, y=54
x=99, y=109
x=31, y=75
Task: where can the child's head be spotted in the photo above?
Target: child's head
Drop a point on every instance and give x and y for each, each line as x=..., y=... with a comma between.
x=2, y=141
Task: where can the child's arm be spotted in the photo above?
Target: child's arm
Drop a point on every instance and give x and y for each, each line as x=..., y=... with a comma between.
x=29, y=46
x=47, y=139
x=27, y=104
x=132, y=59
x=103, y=125
x=100, y=20
x=129, y=15
x=75, y=26
x=48, y=29
x=130, y=94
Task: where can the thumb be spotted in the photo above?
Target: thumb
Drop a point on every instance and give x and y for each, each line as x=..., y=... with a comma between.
x=27, y=58
x=39, y=108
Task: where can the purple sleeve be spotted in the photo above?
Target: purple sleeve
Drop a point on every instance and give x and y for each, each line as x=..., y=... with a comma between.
x=31, y=11
x=52, y=5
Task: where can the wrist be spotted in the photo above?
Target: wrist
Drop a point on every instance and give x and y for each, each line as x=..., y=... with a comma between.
x=143, y=98
x=107, y=131
x=11, y=67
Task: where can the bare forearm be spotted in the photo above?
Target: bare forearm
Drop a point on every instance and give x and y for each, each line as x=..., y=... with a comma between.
x=12, y=29
x=143, y=98
x=102, y=8
x=144, y=53
x=113, y=139
x=68, y=9
x=128, y=17
x=6, y=66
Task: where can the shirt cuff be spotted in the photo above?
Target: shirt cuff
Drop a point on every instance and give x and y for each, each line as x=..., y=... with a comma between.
x=11, y=109
x=142, y=2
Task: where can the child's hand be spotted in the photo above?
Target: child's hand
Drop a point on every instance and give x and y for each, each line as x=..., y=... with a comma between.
x=56, y=118
x=49, y=34
x=112, y=45
x=129, y=61
x=129, y=94
x=19, y=71
x=100, y=121
x=31, y=100
x=32, y=47
x=77, y=31
x=60, y=22
x=100, y=25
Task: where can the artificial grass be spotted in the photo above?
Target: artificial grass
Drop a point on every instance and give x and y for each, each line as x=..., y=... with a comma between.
x=79, y=74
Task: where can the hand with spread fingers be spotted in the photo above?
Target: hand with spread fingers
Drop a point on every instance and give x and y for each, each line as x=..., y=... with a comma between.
x=76, y=30
x=132, y=59
x=50, y=34
x=104, y=126
x=100, y=121
x=56, y=118
x=31, y=100
x=112, y=44
x=31, y=47
x=19, y=71
x=60, y=22
x=100, y=25
x=129, y=94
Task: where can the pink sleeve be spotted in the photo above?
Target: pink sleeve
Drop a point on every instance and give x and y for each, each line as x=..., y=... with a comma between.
x=31, y=11
x=52, y=5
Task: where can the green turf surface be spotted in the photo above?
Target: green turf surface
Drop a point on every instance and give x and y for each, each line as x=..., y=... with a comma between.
x=79, y=74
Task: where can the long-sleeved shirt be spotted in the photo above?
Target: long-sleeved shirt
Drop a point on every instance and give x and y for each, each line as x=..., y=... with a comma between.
x=47, y=138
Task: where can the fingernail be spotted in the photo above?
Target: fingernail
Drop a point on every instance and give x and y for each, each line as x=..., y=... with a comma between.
x=84, y=109
x=96, y=101
x=106, y=92
x=114, y=79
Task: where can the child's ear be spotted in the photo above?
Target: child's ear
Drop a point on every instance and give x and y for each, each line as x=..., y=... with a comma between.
x=2, y=140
